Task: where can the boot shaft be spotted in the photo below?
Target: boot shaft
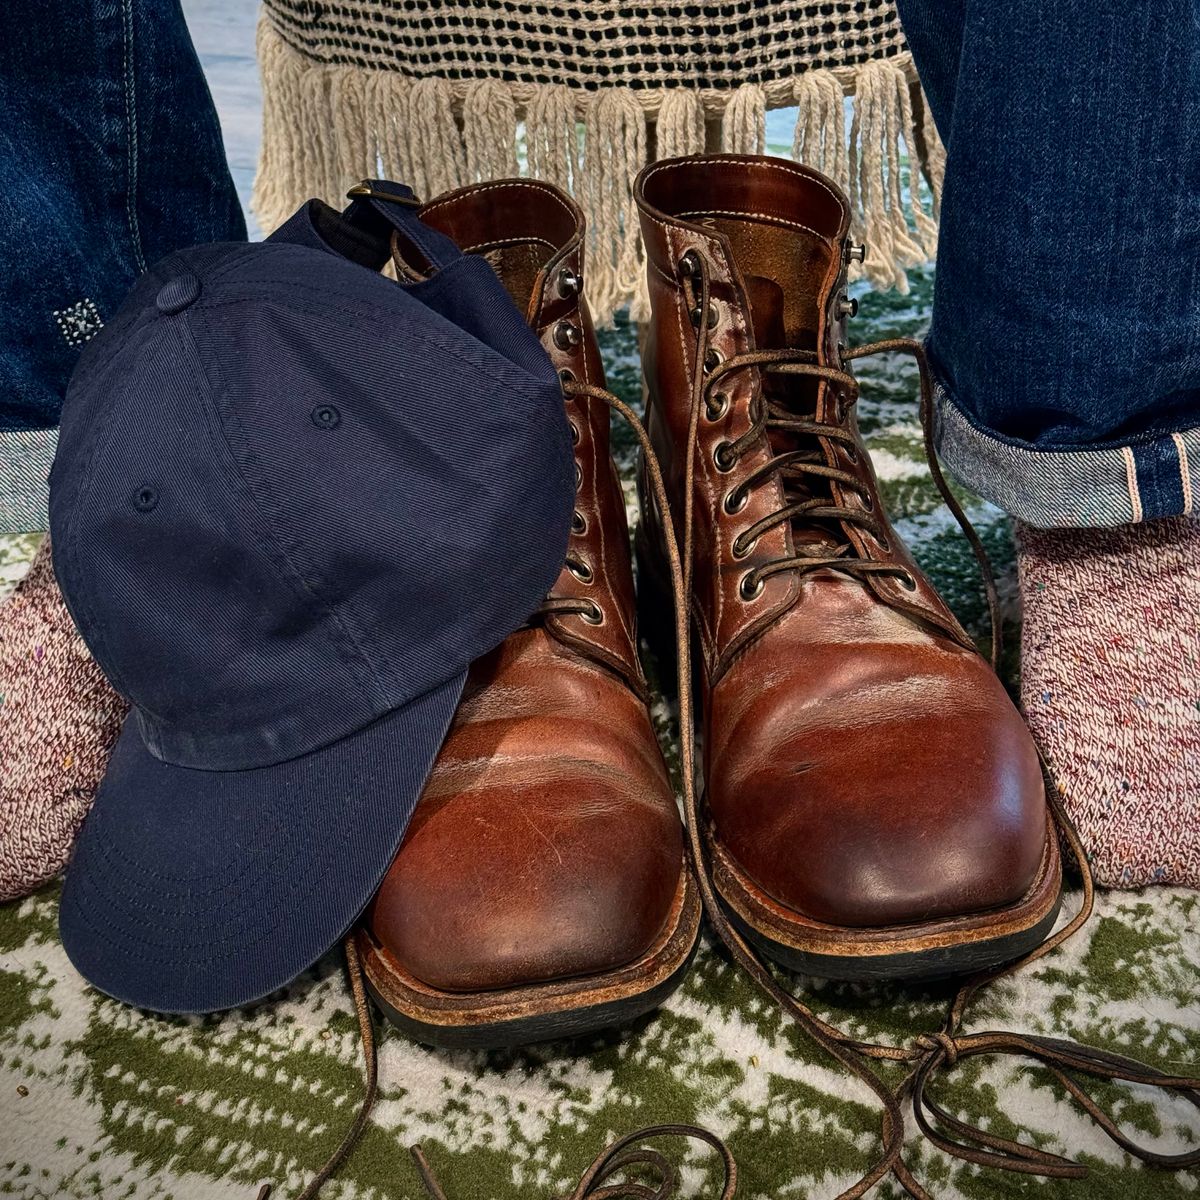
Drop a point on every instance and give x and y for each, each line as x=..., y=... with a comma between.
x=532, y=234
x=769, y=240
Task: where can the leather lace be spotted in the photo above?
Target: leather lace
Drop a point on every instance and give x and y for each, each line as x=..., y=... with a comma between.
x=647, y=1173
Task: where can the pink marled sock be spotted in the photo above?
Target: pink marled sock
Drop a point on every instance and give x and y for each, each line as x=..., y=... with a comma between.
x=1110, y=681
x=58, y=720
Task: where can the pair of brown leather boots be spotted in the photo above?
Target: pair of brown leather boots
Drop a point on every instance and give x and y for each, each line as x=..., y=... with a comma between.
x=873, y=804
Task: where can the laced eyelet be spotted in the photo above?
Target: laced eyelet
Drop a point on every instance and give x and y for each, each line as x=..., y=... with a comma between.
x=578, y=477
x=741, y=547
x=689, y=264
x=884, y=543
x=567, y=336
x=581, y=571
x=574, y=434
x=750, y=587
x=724, y=458
x=568, y=283
x=852, y=453
x=566, y=375
x=594, y=615
x=733, y=503
x=713, y=316
x=908, y=583
x=715, y=407
x=578, y=523
x=868, y=501
x=712, y=360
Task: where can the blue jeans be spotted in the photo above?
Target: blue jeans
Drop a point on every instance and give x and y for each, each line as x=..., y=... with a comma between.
x=1066, y=317
x=110, y=157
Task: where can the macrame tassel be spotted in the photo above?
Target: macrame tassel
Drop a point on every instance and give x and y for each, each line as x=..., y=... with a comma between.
x=552, y=136
x=282, y=173
x=820, y=137
x=438, y=160
x=614, y=151
x=355, y=158
x=680, y=126
x=316, y=126
x=489, y=131
x=744, y=126
x=385, y=99
x=875, y=175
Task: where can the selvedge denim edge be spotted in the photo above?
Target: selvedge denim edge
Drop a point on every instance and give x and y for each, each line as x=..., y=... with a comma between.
x=1113, y=485
x=25, y=458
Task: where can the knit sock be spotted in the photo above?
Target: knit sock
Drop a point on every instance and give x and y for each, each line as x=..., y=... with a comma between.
x=1110, y=682
x=58, y=721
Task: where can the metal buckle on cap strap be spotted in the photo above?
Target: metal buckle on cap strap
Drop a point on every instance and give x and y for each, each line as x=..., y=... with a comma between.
x=364, y=189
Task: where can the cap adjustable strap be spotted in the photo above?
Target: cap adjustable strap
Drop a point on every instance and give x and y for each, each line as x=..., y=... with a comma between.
x=363, y=231
x=396, y=204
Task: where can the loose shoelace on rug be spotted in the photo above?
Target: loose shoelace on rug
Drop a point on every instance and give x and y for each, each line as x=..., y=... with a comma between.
x=930, y=1054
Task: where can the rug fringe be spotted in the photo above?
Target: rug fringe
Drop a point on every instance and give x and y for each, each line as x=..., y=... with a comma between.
x=325, y=126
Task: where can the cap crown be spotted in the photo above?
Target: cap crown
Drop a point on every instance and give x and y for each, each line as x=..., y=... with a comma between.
x=291, y=494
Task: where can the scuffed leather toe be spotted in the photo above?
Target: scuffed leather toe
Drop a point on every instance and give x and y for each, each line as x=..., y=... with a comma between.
x=535, y=893
x=898, y=791
x=547, y=844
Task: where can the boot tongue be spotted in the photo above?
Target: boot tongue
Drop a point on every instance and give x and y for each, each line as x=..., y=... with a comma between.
x=769, y=313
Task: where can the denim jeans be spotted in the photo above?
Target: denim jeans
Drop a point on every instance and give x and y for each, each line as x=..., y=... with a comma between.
x=1066, y=318
x=110, y=157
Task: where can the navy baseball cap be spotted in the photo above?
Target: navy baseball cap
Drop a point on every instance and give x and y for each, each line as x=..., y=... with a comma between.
x=293, y=500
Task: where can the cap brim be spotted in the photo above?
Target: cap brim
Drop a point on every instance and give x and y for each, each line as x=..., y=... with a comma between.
x=192, y=891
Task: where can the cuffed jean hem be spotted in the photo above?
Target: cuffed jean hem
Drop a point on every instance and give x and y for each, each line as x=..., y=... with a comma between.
x=25, y=458
x=1051, y=489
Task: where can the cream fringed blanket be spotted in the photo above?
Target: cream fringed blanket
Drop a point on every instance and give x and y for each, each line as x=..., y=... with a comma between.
x=583, y=94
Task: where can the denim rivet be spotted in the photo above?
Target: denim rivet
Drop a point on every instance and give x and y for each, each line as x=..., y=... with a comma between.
x=145, y=499
x=325, y=416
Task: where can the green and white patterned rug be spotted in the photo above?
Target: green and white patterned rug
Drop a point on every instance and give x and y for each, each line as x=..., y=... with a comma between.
x=100, y=1100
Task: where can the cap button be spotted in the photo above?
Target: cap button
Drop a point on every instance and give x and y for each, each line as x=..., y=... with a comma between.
x=175, y=295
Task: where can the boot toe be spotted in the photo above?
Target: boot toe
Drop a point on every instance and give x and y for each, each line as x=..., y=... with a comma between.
x=911, y=818
x=492, y=892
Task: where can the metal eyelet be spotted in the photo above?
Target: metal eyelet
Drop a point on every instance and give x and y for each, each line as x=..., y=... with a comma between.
x=581, y=571
x=713, y=316
x=868, y=501
x=689, y=264
x=578, y=523
x=715, y=411
x=578, y=477
x=754, y=590
x=712, y=360
x=566, y=375
x=731, y=506
x=568, y=283
x=741, y=548
x=723, y=457
x=567, y=336
x=884, y=543
x=574, y=434
x=908, y=583
x=594, y=616
x=852, y=453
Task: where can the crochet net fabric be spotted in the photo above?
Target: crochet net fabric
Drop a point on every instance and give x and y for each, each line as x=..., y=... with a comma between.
x=443, y=94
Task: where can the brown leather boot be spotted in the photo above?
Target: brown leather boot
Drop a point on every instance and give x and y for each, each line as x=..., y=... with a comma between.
x=541, y=890
x=874, y=802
